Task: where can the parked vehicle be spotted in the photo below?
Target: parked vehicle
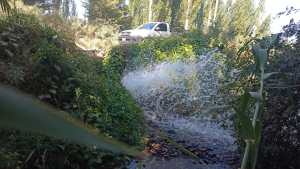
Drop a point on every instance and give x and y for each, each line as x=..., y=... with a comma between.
x=151, y=29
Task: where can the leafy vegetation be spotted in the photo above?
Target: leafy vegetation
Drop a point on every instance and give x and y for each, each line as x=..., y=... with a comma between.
x=33, y=116
x=29, y=151
x=280, y=133
x=250, y=127
x=70, y=81
x=156, y=50
x=37, y=60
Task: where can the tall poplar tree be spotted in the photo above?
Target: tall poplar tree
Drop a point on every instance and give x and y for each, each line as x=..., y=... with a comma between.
x=150, y=11
x=187, y=15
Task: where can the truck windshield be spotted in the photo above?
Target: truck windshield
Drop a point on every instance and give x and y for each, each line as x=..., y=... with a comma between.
x=147, y=26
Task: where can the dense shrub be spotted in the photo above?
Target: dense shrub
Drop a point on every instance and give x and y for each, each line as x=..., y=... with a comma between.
x=70, y=81
x=39, y=61
x=173, y=48
x=281, y=131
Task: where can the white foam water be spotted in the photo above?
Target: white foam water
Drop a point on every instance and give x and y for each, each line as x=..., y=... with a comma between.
x=184, y=96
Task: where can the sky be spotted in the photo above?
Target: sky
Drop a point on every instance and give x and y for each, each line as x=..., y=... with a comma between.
x=272, y=7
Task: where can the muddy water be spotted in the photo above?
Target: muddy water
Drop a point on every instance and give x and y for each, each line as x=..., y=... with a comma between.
x=183, y=100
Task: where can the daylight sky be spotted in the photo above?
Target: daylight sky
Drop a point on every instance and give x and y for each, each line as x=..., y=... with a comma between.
x=273, y=7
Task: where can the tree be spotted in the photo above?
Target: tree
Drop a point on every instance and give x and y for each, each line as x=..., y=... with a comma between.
x=105, y=11
x=235, y=19
x=199, y=21
x=175, y=7
x=5, y=5
x=138, y=11
x=162, y=10
x=150, y=11
x=216, y=11
x=187, y=16
x=68, y=8
x=209, y=15
x=264, y=27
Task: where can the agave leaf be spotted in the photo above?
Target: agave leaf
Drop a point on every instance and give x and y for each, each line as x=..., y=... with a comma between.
x=25, y=113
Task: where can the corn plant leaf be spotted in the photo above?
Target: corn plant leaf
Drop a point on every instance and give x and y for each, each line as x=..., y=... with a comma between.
x=268, y=75
x=255, y=95
x=244, y=121
x=269, y=41
x=260, y=55
x=255, y=146
x=25, y=113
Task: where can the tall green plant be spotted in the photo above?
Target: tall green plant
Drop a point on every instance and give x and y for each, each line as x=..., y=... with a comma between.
x=22, y=112
x=250, y=127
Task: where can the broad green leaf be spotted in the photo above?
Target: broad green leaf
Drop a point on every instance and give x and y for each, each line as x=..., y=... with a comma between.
x=25, y=113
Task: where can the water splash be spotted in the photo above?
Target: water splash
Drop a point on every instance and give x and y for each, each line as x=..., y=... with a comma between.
x=185, y=97
x=181, y=87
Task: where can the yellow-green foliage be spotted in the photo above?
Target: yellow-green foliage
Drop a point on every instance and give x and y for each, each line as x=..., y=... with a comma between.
x=174, y=48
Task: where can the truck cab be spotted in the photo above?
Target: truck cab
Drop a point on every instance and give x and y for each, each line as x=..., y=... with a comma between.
x=151, y=29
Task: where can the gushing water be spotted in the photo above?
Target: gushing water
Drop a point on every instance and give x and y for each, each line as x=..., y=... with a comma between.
x=185, y=97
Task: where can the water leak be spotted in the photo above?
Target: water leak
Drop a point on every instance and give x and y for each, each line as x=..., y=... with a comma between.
x=183, y=100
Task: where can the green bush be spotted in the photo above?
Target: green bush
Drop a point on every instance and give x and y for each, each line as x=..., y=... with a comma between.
x=173, y=48
x=52, y=70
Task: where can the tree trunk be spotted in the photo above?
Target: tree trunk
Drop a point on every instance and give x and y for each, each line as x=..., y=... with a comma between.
x=187, y=16
x=150, y=11
x=209, y=15
x=216, y=11
x=56, y=6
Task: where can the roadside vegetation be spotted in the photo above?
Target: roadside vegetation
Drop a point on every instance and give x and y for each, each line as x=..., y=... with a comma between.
x=39, y=61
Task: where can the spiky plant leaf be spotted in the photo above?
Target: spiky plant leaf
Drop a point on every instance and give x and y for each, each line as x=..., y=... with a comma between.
x=25, y=113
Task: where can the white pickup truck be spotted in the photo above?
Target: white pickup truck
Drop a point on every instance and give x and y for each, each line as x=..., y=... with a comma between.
x=151, y=29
